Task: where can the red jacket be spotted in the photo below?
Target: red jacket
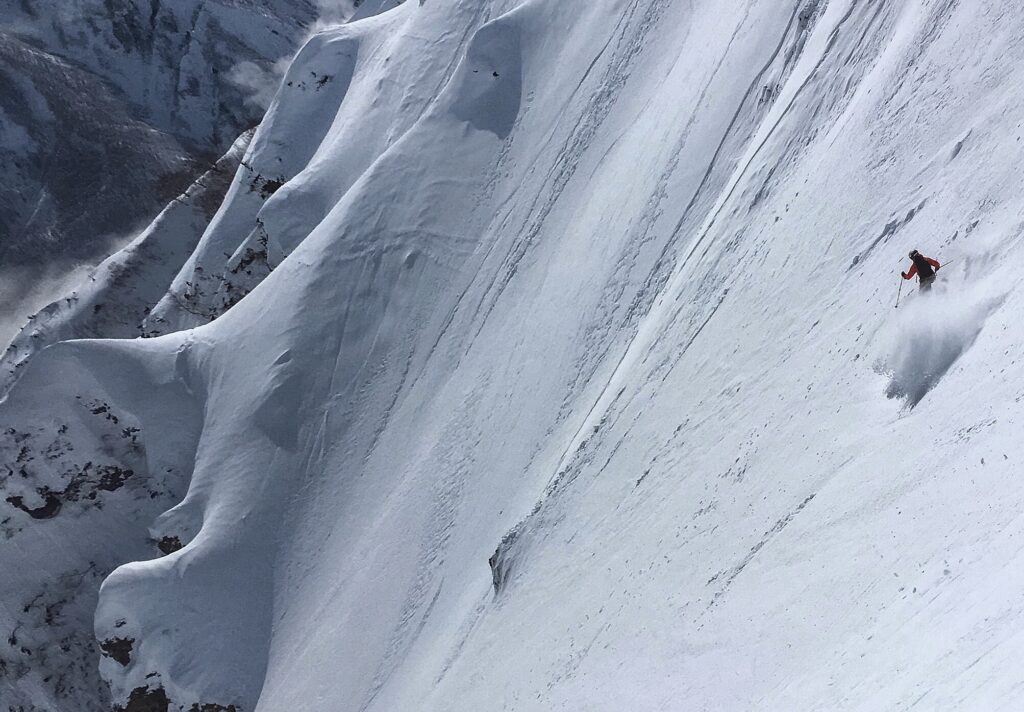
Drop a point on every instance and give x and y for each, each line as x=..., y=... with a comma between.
x=909, y=274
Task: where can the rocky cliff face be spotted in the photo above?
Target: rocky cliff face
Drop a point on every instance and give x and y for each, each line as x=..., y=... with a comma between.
x=109, y=108
x=176, y=62
x=81, y=169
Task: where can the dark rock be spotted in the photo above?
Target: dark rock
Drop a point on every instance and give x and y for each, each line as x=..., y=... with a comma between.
x=112, y=477
x=144, y=699
x=169, y=544
x=120, y=649
x=49, y=509
x=269, y=187
x=501, y=561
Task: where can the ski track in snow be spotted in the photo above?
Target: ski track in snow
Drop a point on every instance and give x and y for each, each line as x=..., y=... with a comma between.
x=600, y=292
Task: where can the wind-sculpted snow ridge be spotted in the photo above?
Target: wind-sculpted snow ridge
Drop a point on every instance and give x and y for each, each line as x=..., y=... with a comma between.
x=601, y=292
x=325, y=114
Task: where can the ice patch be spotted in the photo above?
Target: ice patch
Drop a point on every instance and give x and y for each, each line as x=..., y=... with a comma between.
x=930, y=332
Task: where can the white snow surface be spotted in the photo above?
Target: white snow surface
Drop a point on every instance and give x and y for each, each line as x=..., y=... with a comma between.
x=601, y=292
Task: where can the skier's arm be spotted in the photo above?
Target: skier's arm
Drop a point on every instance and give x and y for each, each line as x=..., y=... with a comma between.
x=933, y=263
x=910, y=273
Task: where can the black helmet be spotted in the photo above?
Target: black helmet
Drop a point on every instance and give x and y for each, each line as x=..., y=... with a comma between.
x=913, y=254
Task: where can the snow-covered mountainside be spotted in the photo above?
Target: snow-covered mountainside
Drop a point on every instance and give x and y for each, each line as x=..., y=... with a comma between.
x=179, y=62
x=110, y=108
x=116, y=298
x=542, y=356
x=79, y=169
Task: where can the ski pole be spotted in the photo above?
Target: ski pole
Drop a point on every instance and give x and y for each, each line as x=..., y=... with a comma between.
x=898, y=293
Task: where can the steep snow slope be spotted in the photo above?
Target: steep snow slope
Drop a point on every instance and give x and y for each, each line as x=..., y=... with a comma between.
x=599, y=291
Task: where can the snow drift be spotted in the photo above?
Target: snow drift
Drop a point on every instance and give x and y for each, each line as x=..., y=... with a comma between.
x=594, y=291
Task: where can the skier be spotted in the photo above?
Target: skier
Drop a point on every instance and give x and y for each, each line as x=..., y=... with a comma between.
x=923, y=268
